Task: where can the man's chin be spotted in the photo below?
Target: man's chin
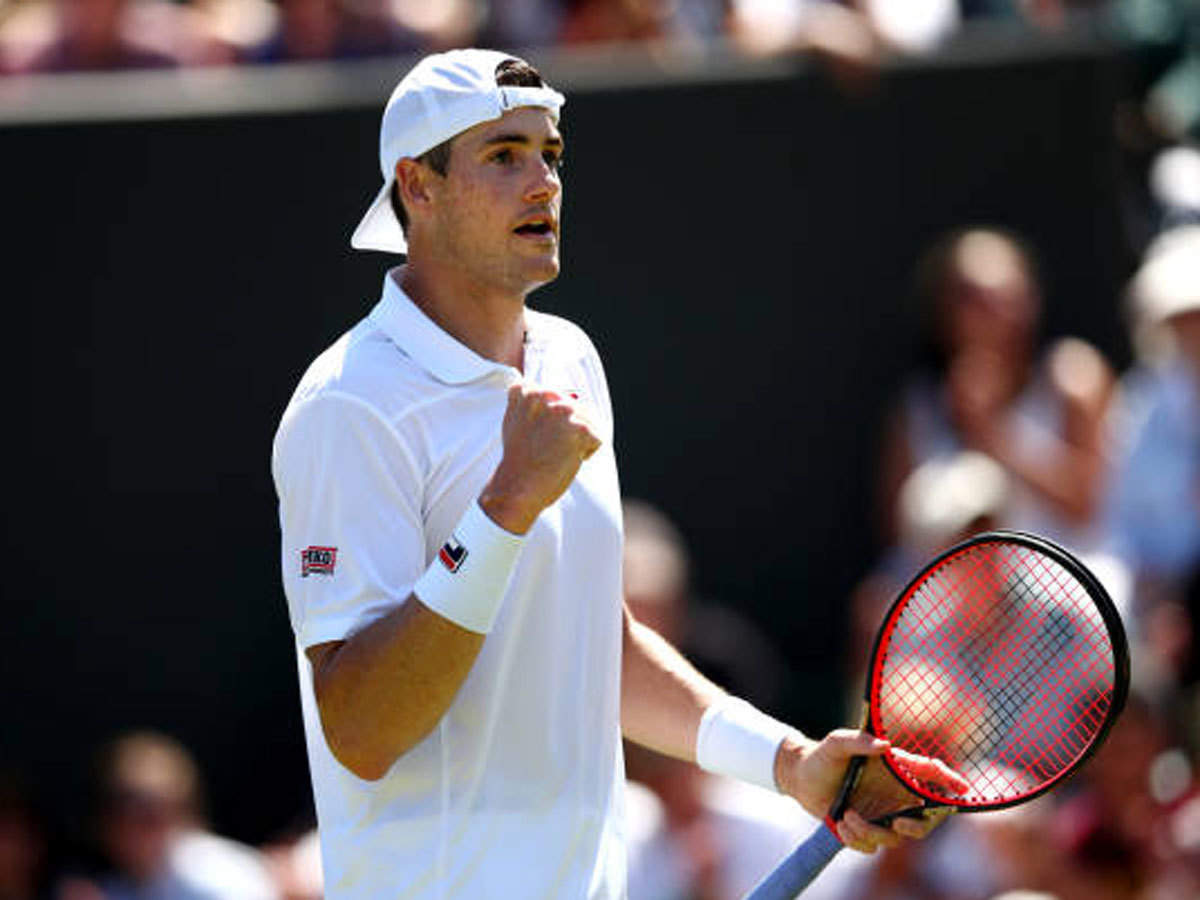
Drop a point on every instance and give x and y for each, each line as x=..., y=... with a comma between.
x=542, y=272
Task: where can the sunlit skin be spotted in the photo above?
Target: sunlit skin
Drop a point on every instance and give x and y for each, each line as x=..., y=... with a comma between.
x=464, y=250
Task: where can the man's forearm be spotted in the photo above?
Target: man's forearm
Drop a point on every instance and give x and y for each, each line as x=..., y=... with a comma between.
x=663, y=697
x=383, y=690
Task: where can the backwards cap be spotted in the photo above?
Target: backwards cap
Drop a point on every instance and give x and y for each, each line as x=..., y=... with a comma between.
x=443, y=95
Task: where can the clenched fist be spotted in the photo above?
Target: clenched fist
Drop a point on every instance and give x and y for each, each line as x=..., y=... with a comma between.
x=545, y=440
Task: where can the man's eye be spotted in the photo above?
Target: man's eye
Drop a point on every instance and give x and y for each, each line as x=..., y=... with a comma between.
x=553, y=160
x=504, y=157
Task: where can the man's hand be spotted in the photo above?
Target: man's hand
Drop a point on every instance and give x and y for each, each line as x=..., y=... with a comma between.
x=812, y=773
x=546, y=440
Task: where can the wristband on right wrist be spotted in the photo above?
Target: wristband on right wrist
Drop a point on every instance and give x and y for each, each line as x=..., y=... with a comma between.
x=467, y=580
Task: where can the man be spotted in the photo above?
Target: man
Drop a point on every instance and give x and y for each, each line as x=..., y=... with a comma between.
x=452, y=544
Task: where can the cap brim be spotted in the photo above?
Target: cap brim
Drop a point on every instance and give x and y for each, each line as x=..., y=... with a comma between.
x=379, y=228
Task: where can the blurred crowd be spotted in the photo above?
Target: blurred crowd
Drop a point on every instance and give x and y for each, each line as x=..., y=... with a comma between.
x=142, y=835
x=63, y=35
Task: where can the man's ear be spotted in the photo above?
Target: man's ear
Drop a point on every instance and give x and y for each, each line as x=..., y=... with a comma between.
x=414, y=182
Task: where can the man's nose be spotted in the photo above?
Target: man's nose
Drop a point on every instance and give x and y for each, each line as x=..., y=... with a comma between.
x=545, y=184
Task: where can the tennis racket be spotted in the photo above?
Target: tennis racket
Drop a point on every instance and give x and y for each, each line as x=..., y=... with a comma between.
x=1005, y=658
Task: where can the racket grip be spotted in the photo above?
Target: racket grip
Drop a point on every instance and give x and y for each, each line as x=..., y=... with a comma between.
x=800, y=868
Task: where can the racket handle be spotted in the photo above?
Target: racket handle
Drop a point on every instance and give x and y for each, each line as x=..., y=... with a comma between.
x=799, y=869
x=849, y=783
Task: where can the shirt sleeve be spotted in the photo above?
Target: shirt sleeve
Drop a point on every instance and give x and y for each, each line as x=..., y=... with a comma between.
x=350, y=516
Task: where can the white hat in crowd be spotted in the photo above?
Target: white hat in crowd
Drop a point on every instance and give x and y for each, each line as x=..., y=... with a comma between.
x=443, y=95
x=1168, y=283
x=944, y=496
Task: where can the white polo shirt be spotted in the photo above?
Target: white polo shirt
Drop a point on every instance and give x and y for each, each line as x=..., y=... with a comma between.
x=518, y=791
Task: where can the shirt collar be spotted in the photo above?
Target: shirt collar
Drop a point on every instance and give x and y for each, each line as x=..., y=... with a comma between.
x=443, y=357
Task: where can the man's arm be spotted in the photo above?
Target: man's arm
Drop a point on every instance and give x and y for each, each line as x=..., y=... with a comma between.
x=664, y=698
x=385, y=688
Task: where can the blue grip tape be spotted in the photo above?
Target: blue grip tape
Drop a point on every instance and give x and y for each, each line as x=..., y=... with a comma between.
x=799, y=869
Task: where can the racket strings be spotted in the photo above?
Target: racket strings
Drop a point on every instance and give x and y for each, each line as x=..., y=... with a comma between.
x=1000, y=664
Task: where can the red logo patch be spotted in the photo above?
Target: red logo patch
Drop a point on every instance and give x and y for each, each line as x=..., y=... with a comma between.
x=317, y=561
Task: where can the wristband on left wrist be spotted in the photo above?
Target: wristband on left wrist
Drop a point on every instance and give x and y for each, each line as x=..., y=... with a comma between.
x=737, y=740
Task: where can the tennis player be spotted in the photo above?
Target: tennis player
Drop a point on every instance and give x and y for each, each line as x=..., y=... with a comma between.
x=452, y=544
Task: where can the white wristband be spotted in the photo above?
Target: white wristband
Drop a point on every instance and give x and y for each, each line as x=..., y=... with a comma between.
x=738, y=740
x=467, y=579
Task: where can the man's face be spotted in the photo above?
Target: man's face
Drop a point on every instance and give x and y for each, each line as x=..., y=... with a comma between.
x=496, y=215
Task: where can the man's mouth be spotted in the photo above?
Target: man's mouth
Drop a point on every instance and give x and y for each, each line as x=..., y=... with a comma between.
x=538, y=226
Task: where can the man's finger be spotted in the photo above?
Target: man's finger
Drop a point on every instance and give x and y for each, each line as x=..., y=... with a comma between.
x=590, y=446
x=919, y=828
x=864, y=836
x=910, y=828
x=857, y=743
x=934, y=771
x=853, y=835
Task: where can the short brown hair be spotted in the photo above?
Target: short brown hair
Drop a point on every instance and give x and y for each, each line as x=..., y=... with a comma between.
x=510, y=73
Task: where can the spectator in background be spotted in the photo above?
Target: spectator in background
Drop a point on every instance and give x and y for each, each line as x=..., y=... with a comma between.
x=107, y=35
x=1174, y=182
x=149, y=829
x=594, y=21
x=441, y=24
x=839, y=37
x=1157, y=490
x=295, y=866
x=1162, y=39
x=853, y=37
x=23, y=851
x=521, y=23
x=334, y=29
x=1042, y=419
x=1155, y=502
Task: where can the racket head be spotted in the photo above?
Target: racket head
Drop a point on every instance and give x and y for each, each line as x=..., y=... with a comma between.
x=945, y=678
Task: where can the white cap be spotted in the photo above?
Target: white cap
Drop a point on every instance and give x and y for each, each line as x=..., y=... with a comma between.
x=443, y=95
x=1168, y=283
x=944, y=496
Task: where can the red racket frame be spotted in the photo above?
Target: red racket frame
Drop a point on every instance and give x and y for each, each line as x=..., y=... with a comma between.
x=1095, y=591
